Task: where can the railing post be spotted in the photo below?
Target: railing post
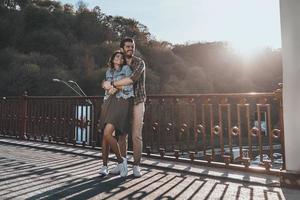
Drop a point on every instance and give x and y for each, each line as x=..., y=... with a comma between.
x=279, y=96
x=24, y=99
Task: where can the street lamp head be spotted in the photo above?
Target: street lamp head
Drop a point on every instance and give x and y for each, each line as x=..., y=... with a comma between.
x=56, y=80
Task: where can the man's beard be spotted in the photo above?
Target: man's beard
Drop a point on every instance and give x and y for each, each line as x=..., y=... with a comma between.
x=129, y=55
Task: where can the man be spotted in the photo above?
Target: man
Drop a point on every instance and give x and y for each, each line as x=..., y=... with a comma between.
x=137, y=78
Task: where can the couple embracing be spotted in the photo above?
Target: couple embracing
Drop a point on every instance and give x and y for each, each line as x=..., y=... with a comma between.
x=123, y=108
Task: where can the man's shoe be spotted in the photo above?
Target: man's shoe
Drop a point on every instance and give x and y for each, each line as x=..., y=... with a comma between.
x=104, y=171
x=137, y=171
x=123, y=168
x=115, y=170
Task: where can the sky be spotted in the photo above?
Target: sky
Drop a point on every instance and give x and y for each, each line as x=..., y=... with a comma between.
x=247, y=25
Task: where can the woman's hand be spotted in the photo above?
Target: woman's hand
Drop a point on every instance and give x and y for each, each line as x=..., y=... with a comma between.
x=112, y=91
x=106, y=85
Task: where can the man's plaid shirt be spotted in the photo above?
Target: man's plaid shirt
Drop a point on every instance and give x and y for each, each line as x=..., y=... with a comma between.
x=138, y=77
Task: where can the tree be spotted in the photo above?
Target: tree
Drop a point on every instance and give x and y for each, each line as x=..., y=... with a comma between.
x=69, y=9
x=41, y=40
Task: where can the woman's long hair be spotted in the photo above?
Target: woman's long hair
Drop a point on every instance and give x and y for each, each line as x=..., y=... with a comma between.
x=111, y=59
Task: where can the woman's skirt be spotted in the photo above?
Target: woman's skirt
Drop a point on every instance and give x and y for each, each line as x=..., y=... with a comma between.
x=118, y=112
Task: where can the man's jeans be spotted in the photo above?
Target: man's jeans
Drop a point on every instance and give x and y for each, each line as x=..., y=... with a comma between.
x=137, y=140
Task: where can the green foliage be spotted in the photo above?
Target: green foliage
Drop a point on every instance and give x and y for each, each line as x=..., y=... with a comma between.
x=43, y=39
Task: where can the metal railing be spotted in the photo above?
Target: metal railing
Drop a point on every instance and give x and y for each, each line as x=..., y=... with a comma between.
x=240, y=131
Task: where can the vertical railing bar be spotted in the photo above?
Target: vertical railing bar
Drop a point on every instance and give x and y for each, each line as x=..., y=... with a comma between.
x=91, y=117
x=204, y=131
x=11, y=103
x=282, y=130
x=84, y=126
x=53, y=114
x=5, y=117
x=39, y=103
x=29, y=118
x=221, y=128
x=42, y=123
x=187, y=131
x=164, y=135
x=83, y=107
x=65, y=137
x=46, y=122
x=229, y=131
x=240, y=132
x=49, y=112
x=270, y=132
x=46, y=114
x=195, y=125
x=75, y=137
x=24, y=113
x=17, y=119
x=33, y=110
x=212, y=132
x=9, y=119
x=249, y=131
x=56, y=116
x=14, y=113
x=92, y=121
x=173, y=124
x=60, y=118
x=87, y=125
x=47, y=105
x=151, y=135
x=1, y=116
x=69, y=122
x=146, y=127
x=36, y=117
x=259, y=132
x=159, y=125
x=153, y=139
x=179, y=132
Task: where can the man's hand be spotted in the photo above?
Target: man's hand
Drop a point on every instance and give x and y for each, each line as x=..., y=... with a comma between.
x=106, y=85
x=112, y=91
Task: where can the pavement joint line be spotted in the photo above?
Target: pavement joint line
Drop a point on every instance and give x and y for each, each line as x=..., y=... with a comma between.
x=217, y=173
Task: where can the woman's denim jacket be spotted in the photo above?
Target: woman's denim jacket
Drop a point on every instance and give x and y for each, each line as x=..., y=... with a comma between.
x=115, y=75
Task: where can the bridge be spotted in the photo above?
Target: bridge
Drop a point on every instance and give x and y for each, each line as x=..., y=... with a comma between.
x=226, y=144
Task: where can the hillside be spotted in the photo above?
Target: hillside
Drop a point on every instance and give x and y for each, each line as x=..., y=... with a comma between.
x=42, y=40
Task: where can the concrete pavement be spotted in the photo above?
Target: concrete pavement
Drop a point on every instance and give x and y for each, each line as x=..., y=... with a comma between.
x=31, y=173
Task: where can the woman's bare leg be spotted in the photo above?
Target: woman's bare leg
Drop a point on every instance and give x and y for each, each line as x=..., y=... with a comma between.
x=108, y=131
x=105, y=151
x=122, y=141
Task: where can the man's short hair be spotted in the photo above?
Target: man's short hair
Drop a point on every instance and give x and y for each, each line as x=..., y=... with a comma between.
x=127, y=39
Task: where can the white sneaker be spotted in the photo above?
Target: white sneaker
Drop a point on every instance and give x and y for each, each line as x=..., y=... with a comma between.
x=137, y=171
x=123, y=168
x=115, y=170
x=104, y=171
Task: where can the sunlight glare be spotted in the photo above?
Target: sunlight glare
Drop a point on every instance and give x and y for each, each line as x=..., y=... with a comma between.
x=246, y=49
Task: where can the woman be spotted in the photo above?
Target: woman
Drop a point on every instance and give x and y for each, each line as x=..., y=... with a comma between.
x=115, y=112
